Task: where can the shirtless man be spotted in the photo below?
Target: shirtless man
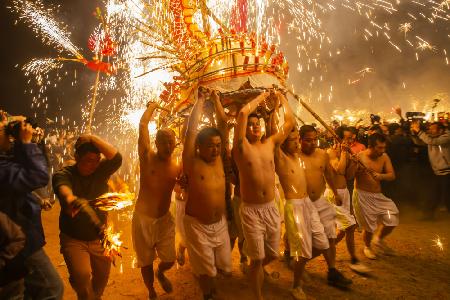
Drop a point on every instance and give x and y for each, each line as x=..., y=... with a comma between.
x=232, y=178
x=303, y=228
x=340, y=161
x=255, y=161
x=370, y=205
x=207, y=238
x=318, y=173
x=153, y=227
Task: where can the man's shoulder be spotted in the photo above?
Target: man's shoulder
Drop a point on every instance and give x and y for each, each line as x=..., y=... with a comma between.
x=362, y=153
x=332, y=153
x=67, y=170
x=321, y=153
x=358, y=145
x=385, y=157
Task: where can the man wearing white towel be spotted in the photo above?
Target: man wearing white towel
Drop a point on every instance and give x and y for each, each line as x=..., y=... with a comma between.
x=370, y=205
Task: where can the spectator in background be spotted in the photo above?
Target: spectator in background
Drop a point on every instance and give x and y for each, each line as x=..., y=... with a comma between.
x=384, y=129
x=21, y=172
x=438, y=141
x=376, y=128
x=355, y=146
x=399, y=150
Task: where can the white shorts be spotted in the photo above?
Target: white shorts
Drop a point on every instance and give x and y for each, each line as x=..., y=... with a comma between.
x=180, y=207
x=303, y=228
x=208, y=246
x=373, y=208
x=279, y=203
x=344, y=218
x=327, y=216
x=151, y=236
x=262, y=229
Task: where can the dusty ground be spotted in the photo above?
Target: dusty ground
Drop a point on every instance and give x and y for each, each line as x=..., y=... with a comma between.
x=419, y=271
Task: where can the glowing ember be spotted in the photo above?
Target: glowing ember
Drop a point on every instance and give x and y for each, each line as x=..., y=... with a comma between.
x=114, y=201
x=438, y=243
x=112, y=243
x=293, y=188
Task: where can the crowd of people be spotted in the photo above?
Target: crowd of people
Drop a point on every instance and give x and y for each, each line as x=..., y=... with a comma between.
x=226, y=192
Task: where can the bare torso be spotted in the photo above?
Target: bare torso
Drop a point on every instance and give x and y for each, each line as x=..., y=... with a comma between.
x=157, y=181
x=314, y=170
x=256, y=171
x=206, y=190
x=292, y=175
x=340, y=181
x=364, y=180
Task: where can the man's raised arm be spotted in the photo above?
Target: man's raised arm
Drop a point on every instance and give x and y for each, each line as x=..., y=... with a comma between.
x=108, y=150
x=241, y=126
x=289, y=121
x=144, y=145
x=191, y=132
x=222, y=121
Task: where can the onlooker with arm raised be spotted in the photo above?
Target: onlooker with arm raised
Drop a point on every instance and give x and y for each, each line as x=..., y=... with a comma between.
x=438, y=141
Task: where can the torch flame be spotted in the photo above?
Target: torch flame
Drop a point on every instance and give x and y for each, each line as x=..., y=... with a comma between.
x=112, y=243
x=114, y=201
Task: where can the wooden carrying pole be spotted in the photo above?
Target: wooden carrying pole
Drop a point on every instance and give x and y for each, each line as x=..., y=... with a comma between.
x=328, y=128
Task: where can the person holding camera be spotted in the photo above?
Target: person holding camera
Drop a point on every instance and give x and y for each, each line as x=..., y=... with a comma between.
x=438, y=141
x=23, y=168
x=82, y=226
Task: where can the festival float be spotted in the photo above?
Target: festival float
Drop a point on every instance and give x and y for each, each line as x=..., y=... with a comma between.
x=236, y=63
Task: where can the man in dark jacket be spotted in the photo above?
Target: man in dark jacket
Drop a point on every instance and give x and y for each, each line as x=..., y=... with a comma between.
x=12, y=241
x=81, y=224
x=23, y=169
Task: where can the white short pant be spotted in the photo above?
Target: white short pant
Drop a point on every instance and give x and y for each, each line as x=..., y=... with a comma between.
x=208, y=246
x=262, y=229
x=303, y=228
x=344, y=218
x=374, y=208
x=327, y=215
x=153, y=236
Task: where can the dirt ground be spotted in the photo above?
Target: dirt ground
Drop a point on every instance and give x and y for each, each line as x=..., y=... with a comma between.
x=420, y=270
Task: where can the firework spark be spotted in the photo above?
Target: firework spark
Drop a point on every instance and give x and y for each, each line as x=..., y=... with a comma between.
x=41, y=20
x=112, y=243
x=405, y=27
x=438, y=243
x=38, y=68
x=114, y=201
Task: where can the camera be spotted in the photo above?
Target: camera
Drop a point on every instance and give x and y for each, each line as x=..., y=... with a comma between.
x=13, y=129
x=415, y=115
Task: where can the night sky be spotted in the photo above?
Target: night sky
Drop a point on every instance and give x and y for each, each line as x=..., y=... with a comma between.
x=424, y=79
x=20, y=45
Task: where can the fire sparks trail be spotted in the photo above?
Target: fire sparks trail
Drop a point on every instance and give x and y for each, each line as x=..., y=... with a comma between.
x=40, y=67
x=438, y=243
x=112, y=243
x=41, y=20
x=114, y=201
x=155, y=37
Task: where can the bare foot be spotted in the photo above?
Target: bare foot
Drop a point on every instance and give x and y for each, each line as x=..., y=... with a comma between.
x=164, y=282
